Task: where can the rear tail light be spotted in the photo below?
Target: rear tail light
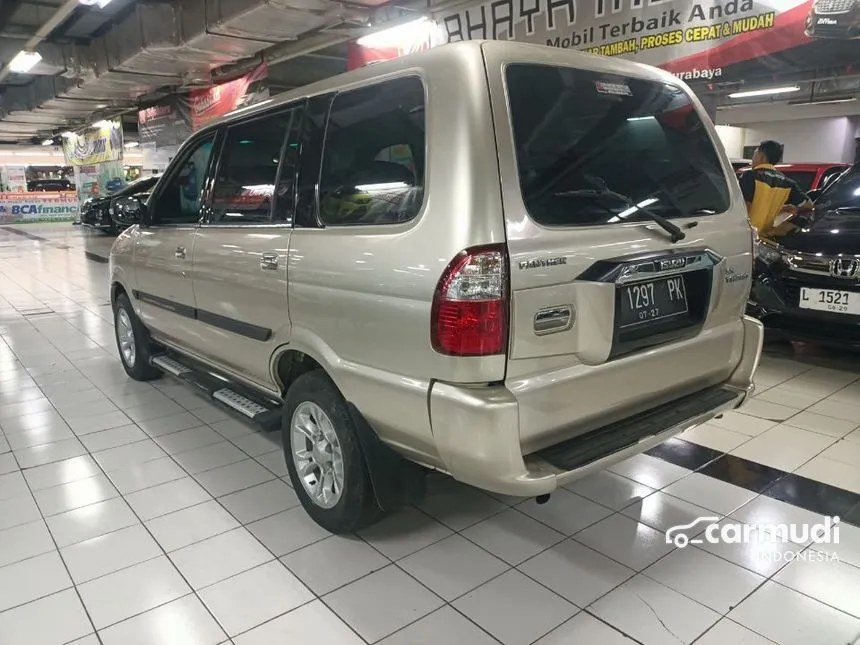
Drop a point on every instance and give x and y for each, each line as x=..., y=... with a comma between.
x=470, y=306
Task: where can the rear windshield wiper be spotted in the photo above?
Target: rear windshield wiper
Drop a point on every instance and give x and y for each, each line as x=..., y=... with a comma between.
x=675, y=233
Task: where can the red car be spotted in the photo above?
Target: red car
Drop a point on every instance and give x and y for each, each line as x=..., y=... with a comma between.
x=809, y=176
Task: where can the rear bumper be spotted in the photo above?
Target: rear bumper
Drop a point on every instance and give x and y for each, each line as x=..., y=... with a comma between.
x=477, y=431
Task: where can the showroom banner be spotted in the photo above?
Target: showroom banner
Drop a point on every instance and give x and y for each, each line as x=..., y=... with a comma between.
x=165, y=124
x=98, y=180
x=162, y=128
x=97, y=144
x=13, y=179
x=38, y=207
x=213, y=102
x=697, y=41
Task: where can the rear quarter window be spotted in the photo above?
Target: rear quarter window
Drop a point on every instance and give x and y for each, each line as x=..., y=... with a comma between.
x=580, y=134
x=373, y=156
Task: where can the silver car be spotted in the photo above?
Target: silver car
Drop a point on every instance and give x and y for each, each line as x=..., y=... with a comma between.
x=510, y=263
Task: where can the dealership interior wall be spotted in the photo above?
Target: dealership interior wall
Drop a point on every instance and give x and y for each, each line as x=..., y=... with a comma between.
x=819, y=133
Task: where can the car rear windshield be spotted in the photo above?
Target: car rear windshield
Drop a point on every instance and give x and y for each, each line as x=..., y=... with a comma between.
x=598, y=148
x=801, y=178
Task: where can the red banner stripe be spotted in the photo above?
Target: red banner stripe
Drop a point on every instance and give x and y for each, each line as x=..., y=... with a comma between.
x=786, y=33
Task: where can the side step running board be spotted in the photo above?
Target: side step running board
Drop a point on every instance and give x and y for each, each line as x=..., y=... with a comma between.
x=251, y=405
x=238, y=402
x=167, y=364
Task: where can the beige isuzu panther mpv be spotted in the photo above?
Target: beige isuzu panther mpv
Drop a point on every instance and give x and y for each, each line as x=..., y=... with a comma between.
x=510, y=263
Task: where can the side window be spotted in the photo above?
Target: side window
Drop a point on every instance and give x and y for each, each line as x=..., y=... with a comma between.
x=179, y=202
x=245, y=181
x=373, y=156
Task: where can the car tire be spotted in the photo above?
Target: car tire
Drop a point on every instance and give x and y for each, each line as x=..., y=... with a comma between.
x=324, y=458
x=133, y=342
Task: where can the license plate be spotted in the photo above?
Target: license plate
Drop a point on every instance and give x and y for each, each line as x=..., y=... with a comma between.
x=838, y=302
x=647, y=302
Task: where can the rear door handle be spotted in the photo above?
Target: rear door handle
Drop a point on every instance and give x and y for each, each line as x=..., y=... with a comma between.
x=269, y=261
x=553, y=319
x=179, y=253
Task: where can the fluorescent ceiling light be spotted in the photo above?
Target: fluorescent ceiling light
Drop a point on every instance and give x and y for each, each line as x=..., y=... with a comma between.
x=640, y=118
x=131, y=144
x=383, y=187
x=844, y=99
x=104, y=123
x=67, y=134
x=101, y=4
x=24, y=61
x=48, y=142
x=765, y=92
x=401, y=34
x=633, y=209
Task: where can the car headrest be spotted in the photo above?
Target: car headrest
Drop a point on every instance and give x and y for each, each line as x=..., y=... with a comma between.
x=383, y=172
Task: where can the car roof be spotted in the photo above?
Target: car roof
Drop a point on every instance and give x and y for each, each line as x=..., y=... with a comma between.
x=810, y=166
x=444, y=56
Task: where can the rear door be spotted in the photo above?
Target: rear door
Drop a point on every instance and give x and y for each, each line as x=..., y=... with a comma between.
x=602, y=297
x=240, y=254
x=165, y=245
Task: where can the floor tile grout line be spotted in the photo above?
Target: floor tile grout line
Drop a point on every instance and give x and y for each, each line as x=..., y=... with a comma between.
x=766, y=579
x=241, y=525
x=643, y=571
x=59, y=553
x=501, y=510
x=65, y=564
x=275, y=557
x=511, y=567
x=120, y=494
x=784, y=474
x=726, y=618
x=166, y=556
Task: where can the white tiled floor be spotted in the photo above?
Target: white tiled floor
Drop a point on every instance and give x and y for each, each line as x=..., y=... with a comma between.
x=139, y=513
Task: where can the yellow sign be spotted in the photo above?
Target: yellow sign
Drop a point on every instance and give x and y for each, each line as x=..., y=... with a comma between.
x=100, y=143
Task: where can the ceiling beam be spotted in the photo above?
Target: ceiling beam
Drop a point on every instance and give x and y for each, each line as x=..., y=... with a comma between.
x=7, y=9
x=59, y=17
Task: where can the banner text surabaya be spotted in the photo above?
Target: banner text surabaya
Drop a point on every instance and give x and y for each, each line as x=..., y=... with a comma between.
x=499, y=19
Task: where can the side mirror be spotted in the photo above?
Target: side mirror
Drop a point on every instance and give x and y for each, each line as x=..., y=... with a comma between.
x=127, y=210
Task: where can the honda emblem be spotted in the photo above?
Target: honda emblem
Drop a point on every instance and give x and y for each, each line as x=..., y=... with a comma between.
x=844, y=268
